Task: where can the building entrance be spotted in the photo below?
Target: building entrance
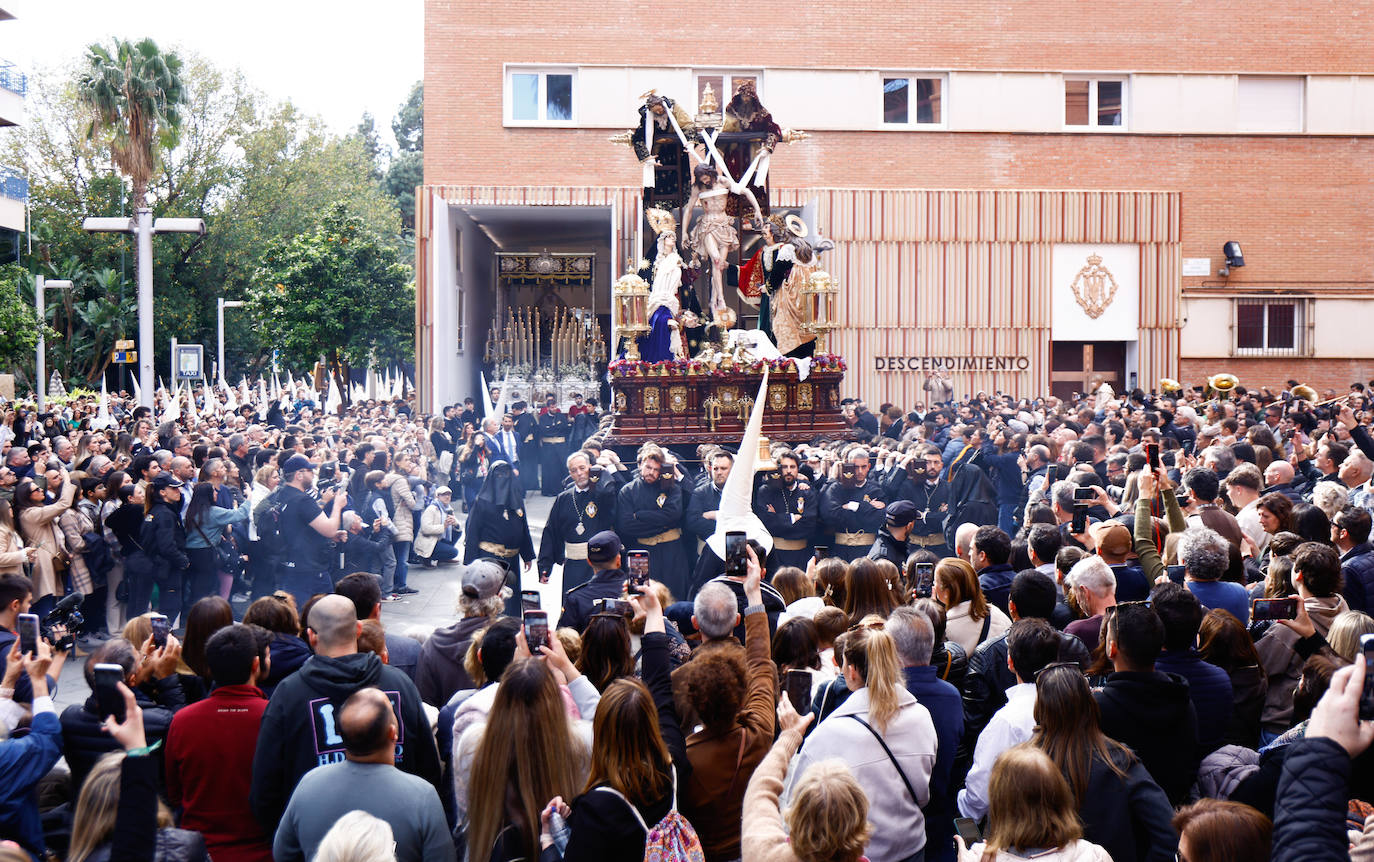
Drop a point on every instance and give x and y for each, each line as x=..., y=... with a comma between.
x=1082, y=366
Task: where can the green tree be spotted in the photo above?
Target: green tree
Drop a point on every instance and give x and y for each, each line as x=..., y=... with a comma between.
x=19, y=327
x=135, y=93
x=409, y=124
x=407, y=169
x=337, y=291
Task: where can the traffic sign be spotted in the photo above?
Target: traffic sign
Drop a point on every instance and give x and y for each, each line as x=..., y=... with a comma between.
x=125, y=357
x=124, y=344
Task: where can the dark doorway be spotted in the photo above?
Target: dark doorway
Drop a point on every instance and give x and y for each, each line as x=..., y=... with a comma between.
x=1082, y=366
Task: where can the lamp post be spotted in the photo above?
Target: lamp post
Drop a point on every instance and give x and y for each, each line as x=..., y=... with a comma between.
x=223, y=304
x=143, y=226
x=40, y=288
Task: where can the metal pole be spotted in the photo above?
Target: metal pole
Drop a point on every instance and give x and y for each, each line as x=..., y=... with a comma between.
x=143, y=231
x=40, y=367
x=220, y=330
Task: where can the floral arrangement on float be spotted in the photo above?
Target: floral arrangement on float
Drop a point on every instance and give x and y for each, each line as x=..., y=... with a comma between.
x=721, y=367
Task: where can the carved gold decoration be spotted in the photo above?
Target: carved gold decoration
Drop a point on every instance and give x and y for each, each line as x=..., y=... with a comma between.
x=1094, y=287
x=728, y=396
x=804, y=396
x=711, y=410
x=620, y=402
x=677, y=399
x=777, y=397
x=744, y=406
x=651, y=399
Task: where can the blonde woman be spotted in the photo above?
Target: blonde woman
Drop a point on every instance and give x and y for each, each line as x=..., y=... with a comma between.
x=886, y=739
x=969, y=619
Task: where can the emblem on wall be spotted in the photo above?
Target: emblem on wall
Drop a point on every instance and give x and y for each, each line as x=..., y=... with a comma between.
x=1094, y=287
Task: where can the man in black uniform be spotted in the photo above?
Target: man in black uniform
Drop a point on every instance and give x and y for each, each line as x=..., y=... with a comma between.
x=306, y=531
x=852, y=508
x=649, y=517
x=922, y=486
x=891, y=543
x=525, y=428
x=705, y=502
x=787, y=507
x=582, y=510
x=607, y=582
x=553, y=446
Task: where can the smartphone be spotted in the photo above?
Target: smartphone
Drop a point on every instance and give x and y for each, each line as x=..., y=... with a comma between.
x=637, y=568
x=107, y=697
x=736, y=557
x=1152, y=455
x=797, y=684
x=536, y=630
x=968, y=830
x=161, y=626
x=1273, y=609
x=1367, y=696
x=1085, y=494
x=1080, y=518
x=1176, y=573
x=614, y=606
x=28, y=634
x=925, y=580
x=529, y=600
x=822, y=551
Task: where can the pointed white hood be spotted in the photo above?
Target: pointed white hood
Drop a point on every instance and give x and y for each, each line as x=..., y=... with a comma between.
x=737, y=497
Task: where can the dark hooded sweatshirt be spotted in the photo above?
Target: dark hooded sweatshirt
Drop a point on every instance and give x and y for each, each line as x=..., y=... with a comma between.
x=300, y=727
x=1152, y=713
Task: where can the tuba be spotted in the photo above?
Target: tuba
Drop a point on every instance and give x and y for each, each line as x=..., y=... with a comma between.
x=1169, y=384
x=1222, y=384
x=1303, y=392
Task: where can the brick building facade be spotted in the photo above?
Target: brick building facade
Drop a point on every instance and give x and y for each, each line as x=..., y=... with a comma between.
x=1172, y=127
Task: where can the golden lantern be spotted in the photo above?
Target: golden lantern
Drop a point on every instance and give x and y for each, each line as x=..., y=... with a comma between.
x=819, y=296
x=765, y=461
x=631, y=295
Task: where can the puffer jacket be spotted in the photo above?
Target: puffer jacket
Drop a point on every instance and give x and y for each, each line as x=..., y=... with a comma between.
x=84, y=740
x=1357, y=572
x=1309, y=809
x=404, y=502
x=164, y=541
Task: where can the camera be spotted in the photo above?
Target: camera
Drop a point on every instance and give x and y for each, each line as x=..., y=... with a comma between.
x=68, y=615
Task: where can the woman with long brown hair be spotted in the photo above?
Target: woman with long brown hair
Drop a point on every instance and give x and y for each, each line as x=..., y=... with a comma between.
x=1031, y=812
x=868, y=591
x=38, y=525
x=639, y=760
x=885, y=737
x=969, y=619
x=529, y=747
x=1120, y=806
x=1223, y=641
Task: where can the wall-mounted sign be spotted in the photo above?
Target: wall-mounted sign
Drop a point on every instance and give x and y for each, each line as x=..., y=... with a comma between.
x=189, y=361
x=1197, y=266
x=951, y=363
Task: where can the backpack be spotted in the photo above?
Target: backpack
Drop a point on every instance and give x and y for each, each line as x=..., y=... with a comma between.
x=672, y=839
x=267, y=519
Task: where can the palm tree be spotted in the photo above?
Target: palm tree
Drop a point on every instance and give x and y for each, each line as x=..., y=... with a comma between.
x=135, y=93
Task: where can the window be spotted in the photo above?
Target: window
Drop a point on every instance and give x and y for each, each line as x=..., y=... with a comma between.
x=724, y=84
x=1094, y=103
x=535, y=97
x=912, y=101
x=1270, y=327
x=1268, y=104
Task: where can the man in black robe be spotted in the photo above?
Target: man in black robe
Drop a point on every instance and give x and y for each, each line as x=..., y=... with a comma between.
x=649, y=517
x=583, y=509
x=526, y=428
x=786, y=504
x=852, y=508
x=554, y=429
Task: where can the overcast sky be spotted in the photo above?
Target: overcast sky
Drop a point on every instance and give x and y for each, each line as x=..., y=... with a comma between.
x=335, y=59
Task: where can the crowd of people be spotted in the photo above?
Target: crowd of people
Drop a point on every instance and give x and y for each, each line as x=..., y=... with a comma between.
x=1123, y=627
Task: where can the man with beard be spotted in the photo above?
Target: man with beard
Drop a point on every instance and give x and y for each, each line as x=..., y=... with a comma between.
x=649, y=517
x=852, y=508
x=787, y=507
x=745, y=113
x=654, y=123
x=920, y=483
x=553, y=446
x=306, y=530
x=705, y=502
x=582, y=510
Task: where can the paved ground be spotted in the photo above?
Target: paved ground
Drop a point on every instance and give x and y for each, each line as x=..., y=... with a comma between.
x=432, y=607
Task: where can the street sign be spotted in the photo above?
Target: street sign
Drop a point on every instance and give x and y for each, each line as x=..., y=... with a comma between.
x=189, y=361
x=124, y=357
x=124, y=344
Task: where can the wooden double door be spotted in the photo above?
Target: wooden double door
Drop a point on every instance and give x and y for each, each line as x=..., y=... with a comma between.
x=1082, y=366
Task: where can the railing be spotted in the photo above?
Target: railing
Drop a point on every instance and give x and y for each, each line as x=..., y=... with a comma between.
x=12, y=79
x=14, y=186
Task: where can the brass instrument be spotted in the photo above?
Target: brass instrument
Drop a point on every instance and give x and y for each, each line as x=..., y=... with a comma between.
x=1303, y=392
x=1169, y=384
x=1220, y=385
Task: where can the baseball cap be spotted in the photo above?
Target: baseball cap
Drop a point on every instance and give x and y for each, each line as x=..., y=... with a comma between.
x=901, y=513
x=166, y=480
x=295, y=463
x=1112, y=538
x=603, y=547
x=483, y=579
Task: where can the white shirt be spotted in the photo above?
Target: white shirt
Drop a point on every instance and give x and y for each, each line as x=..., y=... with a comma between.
x=1249, y=521
x=1011, y=725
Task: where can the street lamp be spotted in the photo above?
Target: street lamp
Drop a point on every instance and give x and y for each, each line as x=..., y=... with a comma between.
x=143, y=226
x=223, y=304
x=40, y=289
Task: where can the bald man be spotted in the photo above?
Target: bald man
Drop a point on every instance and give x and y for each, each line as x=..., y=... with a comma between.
x=301, y=728
x=367, y=723
x=1278, y=477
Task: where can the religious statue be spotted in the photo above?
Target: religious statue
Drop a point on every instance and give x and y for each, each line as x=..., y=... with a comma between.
x=713, y=236
x=664, y=340
x=659, y=117
x=745, y=113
